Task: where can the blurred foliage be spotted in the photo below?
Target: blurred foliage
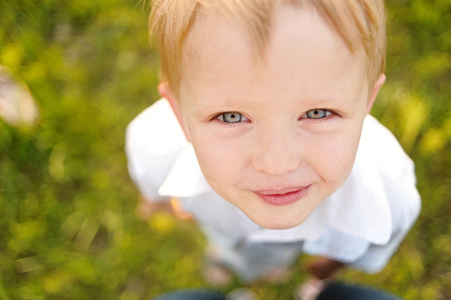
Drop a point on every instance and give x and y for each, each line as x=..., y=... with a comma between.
x=67, y=222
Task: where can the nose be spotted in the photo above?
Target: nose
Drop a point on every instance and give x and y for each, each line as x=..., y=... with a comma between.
x=277, y=152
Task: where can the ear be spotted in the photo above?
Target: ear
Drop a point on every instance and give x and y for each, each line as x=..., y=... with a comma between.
x=379, y=83
x=165, y=91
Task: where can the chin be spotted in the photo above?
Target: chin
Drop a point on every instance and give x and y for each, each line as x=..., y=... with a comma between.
x=279, y=226
x=278, y=223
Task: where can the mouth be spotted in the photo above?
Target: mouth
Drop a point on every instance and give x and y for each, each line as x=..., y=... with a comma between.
x=284, y=196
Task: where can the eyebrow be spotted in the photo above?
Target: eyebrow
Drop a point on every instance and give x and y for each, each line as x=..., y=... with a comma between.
x=346, y=100
x=226, y=103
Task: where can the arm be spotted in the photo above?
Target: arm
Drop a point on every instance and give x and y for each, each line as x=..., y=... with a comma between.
x=151, y=153
x=324, y=268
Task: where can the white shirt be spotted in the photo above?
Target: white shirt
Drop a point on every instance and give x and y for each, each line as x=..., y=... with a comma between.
x=361, y=224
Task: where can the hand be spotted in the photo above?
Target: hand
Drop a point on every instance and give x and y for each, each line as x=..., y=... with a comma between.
x=147, y=208
x=325, y=268
x=309, y=290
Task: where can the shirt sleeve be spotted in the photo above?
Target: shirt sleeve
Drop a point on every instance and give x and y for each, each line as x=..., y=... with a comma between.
x=152, y=143
x=399, y=183
x=405, y=208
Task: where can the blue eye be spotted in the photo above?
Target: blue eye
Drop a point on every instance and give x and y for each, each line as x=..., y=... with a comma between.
x=318, y=113
x=231, y=117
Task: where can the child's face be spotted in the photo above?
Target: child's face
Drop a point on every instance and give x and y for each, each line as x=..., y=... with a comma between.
x=274, y=137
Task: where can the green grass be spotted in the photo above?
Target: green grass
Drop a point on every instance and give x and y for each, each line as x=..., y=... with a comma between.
x=67, y=222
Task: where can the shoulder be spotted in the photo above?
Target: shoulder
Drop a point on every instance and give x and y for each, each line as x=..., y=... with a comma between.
x=153, y=141
x=379, y=197
x=380, y=151
x=155, y=131
x=381, y=146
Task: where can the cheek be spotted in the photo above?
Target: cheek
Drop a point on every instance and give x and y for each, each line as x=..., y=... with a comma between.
x=335, y=158
x=219, y=160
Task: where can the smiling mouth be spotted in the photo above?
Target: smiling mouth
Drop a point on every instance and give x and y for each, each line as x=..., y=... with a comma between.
x=283, y=197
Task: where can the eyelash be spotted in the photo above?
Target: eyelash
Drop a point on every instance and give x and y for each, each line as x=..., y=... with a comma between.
x=241, y=118
x=327, y=113
x=220, y=117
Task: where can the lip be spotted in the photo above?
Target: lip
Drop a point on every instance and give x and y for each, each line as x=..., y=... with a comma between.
x=282, y=197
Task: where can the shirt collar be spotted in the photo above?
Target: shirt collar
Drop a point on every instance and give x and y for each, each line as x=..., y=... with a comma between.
x=359, y=208
x=185, y=179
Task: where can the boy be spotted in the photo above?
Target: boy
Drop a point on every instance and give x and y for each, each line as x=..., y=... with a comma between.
x=264, y=134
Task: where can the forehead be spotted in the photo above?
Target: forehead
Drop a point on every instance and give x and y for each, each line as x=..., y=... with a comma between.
x=220, y=51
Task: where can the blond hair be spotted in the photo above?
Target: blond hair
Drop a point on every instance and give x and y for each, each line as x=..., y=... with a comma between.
x=359, y=23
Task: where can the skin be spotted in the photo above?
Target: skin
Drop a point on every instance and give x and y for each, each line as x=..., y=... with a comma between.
x=300, y=111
